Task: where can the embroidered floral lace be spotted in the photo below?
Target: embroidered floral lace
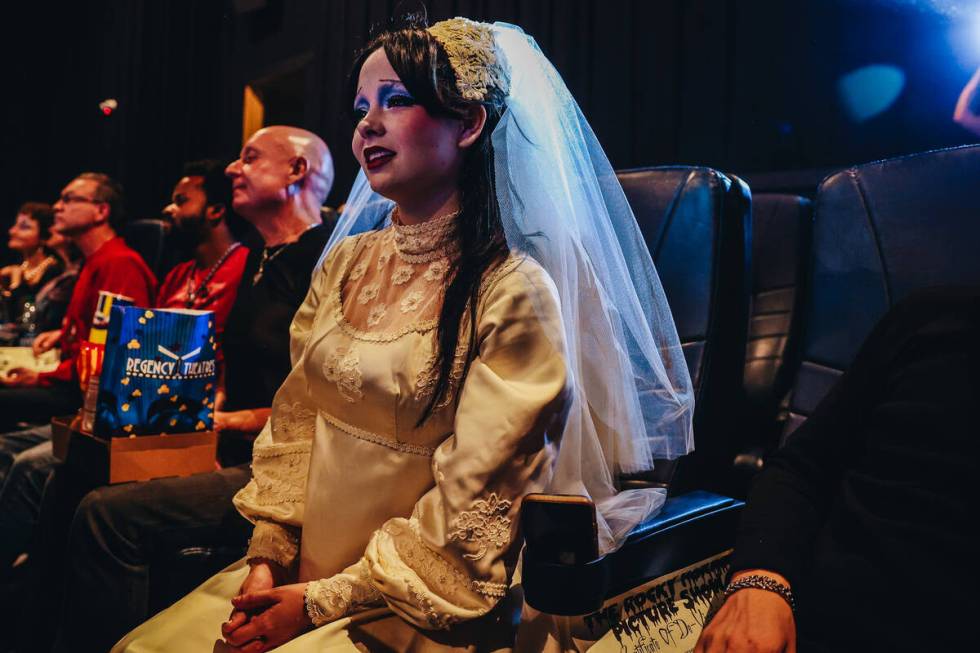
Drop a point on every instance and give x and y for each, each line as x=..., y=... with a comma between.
x=273, y=542
x=444, y=577
x=331, y=598
x=486, y=525
x=473, y=56
x=394, y=285
x=404, y=266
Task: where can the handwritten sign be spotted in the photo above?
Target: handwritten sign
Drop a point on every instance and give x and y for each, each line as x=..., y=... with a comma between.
x=665, y=615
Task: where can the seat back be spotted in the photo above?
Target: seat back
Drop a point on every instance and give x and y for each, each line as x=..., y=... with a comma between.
x=696, y=224
x=148, y=237
x=781, y=234
x=881, y=231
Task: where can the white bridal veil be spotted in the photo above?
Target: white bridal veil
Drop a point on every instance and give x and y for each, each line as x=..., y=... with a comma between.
x=560, y=201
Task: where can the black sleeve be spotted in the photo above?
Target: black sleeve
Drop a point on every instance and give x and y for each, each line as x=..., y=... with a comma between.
x=792, y=497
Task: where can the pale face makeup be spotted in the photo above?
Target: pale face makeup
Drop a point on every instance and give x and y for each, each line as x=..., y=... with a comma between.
x=408, y=155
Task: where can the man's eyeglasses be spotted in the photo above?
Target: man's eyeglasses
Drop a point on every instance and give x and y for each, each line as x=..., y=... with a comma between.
x=68, y=198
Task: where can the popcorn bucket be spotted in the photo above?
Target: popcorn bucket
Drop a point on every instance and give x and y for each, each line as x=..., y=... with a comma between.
x=158, y=373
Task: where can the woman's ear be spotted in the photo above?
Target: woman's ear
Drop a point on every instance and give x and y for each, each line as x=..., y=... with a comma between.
x=473, y=123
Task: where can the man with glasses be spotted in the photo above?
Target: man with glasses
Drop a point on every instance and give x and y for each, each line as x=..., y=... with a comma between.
x=89, y=212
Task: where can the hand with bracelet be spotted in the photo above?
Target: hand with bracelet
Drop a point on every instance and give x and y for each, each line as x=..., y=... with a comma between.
x=756, y=616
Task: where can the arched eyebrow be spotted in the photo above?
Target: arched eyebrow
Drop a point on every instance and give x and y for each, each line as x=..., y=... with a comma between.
x=387, y=81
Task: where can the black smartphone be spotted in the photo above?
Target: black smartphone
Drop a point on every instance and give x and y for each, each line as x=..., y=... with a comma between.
x=560, y=528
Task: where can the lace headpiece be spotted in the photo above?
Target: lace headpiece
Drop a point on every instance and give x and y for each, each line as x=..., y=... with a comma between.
x=473, y=56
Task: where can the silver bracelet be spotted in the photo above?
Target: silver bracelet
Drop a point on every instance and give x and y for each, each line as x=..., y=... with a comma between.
x=758, y=582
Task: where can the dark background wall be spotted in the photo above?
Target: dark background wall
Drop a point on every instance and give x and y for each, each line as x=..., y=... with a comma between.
x=741, y=85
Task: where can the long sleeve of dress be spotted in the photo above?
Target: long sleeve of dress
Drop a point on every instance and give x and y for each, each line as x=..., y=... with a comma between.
x=273, y=499
x=451, y=561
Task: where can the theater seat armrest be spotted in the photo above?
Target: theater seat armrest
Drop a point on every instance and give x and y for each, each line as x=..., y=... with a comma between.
x=690, y=528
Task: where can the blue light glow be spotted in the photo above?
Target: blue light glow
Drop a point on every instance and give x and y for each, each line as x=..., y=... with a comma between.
x=868, y=91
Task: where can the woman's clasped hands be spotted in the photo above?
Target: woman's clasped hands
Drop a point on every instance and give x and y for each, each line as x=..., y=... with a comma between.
x=266, y=613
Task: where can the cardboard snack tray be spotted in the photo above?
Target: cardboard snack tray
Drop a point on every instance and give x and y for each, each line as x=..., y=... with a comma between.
x=118, y=460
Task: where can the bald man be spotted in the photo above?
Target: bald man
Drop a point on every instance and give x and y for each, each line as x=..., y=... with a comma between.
x=120, y=533
x=279, y=182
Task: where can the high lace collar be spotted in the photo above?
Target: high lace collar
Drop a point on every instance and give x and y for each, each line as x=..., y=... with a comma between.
x=427, y=240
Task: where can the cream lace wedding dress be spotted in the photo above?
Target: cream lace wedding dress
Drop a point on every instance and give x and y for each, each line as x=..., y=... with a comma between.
x=408, y=534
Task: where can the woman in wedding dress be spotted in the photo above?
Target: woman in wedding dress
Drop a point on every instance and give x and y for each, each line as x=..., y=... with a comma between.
x=485, y=323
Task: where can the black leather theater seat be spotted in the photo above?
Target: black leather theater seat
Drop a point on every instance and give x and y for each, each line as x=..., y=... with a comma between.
x=881, y=231
x=696, y=224
x=690, y=528
x=781, y=226
x=781, y=237
x=148, y=237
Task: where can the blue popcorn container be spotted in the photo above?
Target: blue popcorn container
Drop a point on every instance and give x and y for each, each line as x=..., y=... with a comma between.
x=158, y=374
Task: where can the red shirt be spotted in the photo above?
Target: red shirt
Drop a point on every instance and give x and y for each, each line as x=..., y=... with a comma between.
x=113, y=267
x=220, y=293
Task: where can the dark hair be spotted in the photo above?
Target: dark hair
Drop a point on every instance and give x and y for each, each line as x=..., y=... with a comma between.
x=109, y=191
x=217, y=189
x=216, y=185
x=423, y=67
x=40, y=213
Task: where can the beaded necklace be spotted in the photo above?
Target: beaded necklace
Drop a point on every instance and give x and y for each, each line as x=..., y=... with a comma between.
x=33, y=274
x=202, y=289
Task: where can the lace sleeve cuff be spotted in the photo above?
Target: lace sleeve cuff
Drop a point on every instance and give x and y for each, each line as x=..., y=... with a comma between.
x=273, y=542
x=331, y=598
